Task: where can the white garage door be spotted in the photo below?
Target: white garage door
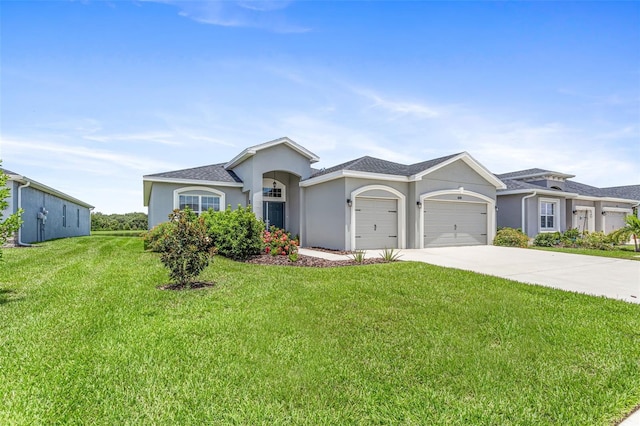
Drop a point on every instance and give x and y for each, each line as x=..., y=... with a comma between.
x=376, y=223
x=613, y=221
x=454, y=224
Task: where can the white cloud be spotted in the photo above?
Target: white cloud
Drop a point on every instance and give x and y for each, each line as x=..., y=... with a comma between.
x=246, y=13
x=416, y=109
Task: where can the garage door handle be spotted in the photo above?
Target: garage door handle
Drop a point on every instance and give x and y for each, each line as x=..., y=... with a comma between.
x=455, y=227
x=375, y=227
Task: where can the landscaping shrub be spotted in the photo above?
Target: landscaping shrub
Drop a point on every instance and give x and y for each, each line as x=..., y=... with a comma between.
x=570, y=236
x=509, y=237
x=185, y=250
x=278, y=242
x=596, y=241
x=155, y=238
x=236, y=234
x=547, y=239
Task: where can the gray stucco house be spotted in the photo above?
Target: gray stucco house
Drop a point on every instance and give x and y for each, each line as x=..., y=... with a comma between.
x=538, y=200
x=366, y=203
x=47, y=213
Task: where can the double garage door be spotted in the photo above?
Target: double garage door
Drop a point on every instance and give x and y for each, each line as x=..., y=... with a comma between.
x=448, y=223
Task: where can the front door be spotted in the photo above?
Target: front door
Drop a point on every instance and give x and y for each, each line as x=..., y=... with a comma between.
x=273, y=214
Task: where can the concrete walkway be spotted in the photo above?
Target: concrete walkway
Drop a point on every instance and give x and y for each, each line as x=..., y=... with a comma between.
x=599, y=276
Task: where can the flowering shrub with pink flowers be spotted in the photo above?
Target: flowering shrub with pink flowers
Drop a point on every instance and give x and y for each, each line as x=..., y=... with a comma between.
x=279, y=242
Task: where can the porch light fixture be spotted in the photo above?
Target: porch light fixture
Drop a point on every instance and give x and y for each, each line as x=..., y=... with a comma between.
x=575, y=212
x=604, y=213
x=349, y=202
x=274, y=180
x=419, y=204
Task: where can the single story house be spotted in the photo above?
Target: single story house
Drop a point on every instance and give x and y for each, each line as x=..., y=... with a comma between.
x=47, y=213
x=538, y=200
x=366, y=203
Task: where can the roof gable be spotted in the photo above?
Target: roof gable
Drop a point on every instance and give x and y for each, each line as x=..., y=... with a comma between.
x=253, y=150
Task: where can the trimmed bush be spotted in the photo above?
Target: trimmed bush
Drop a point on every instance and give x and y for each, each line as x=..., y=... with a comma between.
x=596, y=241
x=547, y=239
x=185, y=250
x=236, y=234
x=509, y=237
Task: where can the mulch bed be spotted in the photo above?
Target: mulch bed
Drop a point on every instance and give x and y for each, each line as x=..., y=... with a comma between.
x=194, y=286
x=267, y=259
x=308, y=261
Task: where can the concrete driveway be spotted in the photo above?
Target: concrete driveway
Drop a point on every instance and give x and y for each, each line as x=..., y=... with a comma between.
x=600, y=276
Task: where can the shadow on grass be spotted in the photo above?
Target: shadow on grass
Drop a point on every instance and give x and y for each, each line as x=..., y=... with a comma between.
x=6, y=296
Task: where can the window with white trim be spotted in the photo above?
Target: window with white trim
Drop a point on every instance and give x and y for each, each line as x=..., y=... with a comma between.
x=198, y=203
x=549, y=215
x=273, y=190
x=198, y=199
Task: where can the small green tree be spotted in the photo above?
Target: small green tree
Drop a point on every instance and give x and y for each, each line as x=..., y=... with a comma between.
x=185, y=250
x=631, y=229
x=11, y=224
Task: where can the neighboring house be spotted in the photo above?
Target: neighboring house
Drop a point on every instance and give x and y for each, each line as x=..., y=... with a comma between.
x=538, y=200
x=366, y=203
x=47, y=212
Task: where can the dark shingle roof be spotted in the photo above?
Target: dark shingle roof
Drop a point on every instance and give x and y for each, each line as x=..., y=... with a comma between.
x=520, y=173
x=213, y=172
x=376, y=165
x=630, y=192
x=583, y=189
x=513, y=184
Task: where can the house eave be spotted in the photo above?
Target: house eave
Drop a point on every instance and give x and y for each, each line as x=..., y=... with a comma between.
x=352, y=174
x=47, y=189
x=541, y=191
x=607, y=199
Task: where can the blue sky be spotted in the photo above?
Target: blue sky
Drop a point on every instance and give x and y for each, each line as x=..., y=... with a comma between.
x=96, y=94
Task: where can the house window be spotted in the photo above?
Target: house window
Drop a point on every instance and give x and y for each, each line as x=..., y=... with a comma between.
x=199, y=199
x=199, y=203
x=272, y=192
x=64, y=215
x=78, y=218
x=548, y=215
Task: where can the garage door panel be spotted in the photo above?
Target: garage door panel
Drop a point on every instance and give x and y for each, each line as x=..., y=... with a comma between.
x=454, y=223
x=376, y=223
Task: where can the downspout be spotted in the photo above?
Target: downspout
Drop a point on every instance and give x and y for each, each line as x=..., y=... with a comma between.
x=20, y=243
x=524, y=229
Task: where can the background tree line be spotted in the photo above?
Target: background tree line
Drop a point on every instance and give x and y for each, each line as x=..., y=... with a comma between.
x=118, y=222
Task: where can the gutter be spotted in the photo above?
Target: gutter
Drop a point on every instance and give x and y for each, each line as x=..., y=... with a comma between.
x=20, y=243
x=523, y=210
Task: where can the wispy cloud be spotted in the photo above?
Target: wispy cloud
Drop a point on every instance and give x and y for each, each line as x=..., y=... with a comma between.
x=267, y=15
x=76, y=158
x=416, y=109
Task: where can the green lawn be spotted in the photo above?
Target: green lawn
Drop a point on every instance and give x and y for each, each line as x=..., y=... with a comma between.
x=620, y=252
x=85, y=337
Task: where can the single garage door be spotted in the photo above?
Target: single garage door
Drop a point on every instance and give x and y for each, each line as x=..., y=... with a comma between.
x=454, y=224
x=376, y=223
x=613, y=221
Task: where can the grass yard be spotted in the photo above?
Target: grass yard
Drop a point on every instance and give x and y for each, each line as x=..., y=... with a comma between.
x=85, y=337
x=621, y=252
